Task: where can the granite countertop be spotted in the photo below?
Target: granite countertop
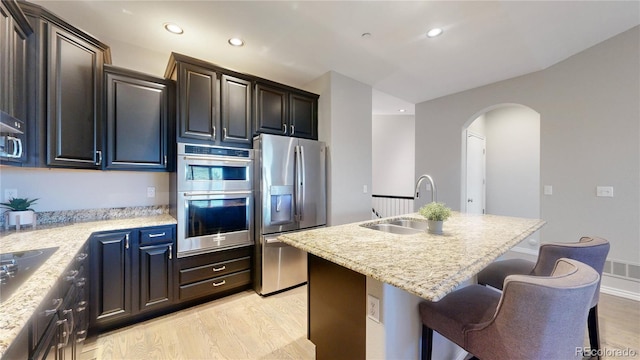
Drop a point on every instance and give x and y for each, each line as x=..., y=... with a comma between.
x=427, y=265
x=16, y=311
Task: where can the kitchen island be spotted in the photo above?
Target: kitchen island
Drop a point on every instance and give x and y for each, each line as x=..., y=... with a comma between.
x=342, y=260
x=17, y=310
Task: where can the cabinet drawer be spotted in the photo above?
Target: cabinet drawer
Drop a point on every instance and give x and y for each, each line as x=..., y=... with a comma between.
x=214, y=270
x=215, y=285
x=156, y=235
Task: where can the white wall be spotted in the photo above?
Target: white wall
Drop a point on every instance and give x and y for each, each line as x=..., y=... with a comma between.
x=393, y=155
x=513, y=165
x=345, y=125
x=64, y=189
x=589, y=136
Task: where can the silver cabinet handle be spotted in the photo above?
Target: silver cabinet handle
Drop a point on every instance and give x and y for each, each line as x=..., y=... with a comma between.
x=81, y=256
x=170, y=252
x=284, y=129
x=57, y=303
x=99, y=156
x=71, y=275
x=293, y=130
x=126, y=241
x=157, y=235
x=220, y=283
x=165, y=160
x=224, y=133
x=219, y=269
x=214, y=132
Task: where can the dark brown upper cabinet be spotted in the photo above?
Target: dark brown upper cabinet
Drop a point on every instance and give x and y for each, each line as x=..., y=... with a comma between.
x=286, y=111
x=139, y=112
x=65, y=80
x=14, y=31
x=213, y=104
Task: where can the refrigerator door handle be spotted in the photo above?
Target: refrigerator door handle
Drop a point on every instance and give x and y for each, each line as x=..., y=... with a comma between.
x=301, y=182
x=299, y=178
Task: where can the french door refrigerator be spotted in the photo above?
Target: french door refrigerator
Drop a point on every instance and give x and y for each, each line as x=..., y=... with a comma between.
x=291, y=195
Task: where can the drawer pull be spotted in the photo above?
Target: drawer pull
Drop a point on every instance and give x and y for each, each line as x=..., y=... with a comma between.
x=71, y=275
x=157, y=235
x=82, y=256
x=219, y=269
x=220, y=283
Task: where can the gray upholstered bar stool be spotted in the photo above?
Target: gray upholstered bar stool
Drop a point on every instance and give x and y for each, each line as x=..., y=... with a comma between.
x=535, y=317
x=589, y=250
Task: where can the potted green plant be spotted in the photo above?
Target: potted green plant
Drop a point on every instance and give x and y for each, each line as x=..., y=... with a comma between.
x=20, y=211
x=436, y=213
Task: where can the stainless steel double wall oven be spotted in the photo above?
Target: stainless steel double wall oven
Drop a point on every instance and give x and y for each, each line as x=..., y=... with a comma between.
x=213, y=199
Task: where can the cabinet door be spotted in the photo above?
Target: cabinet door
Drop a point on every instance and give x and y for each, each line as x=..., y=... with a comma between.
x=156, y=276
x=13, y=61
x=235, y=110
x=271, y=110
x=5, y=51
x=303, y=114
x=137, y=122
x=111, y=279
x=196, y=102
x=74, y=96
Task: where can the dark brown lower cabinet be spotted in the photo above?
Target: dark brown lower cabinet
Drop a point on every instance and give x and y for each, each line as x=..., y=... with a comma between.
x=337, y=310
x=155, y=269
x=131, y=275
x=214, y=274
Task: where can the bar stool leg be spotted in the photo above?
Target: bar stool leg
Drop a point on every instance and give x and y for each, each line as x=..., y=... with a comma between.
x=427, y=342
x=594, y=332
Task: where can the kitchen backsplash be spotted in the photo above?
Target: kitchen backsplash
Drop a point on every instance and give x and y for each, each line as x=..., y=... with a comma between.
x=71, y=216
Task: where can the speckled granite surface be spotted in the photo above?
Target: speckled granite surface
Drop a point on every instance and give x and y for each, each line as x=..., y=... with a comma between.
x=67, y=216
x=424, y=264
x=16, y=311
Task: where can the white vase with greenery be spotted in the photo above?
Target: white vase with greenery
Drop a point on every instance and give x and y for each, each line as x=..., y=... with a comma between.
x=436, y=213
x=20, y=211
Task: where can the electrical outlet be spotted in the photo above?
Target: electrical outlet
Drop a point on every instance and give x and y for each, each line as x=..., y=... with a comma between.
x=10, y=194
x=373, y=308
x=151, y=192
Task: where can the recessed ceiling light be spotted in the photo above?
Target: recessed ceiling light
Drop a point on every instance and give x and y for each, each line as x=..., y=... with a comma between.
x=236, y=42
x=434, y=32
x=402, y=110
x=173, y=28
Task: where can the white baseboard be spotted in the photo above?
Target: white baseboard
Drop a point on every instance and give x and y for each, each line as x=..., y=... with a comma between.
x=525, y=251
x=461, y=354
x=620, y=293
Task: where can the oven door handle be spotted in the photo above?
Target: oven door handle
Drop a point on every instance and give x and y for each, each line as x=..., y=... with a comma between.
x=239, y=161
x=215, y=193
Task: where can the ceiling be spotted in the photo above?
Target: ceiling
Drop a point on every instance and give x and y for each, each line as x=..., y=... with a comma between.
x=295, y=42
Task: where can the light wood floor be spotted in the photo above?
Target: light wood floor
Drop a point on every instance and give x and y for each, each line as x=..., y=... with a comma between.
x=247, y=326
x=240, y=326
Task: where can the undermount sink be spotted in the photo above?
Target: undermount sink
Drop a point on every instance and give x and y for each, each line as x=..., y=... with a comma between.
x=399, y=226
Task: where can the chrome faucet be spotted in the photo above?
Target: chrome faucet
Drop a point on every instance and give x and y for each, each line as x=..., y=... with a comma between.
x=434, y=198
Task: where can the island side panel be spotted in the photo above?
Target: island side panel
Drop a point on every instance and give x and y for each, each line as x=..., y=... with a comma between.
x=337, y=310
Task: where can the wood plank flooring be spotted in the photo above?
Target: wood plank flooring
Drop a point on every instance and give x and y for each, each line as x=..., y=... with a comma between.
x=247, y=326
x=240, y=326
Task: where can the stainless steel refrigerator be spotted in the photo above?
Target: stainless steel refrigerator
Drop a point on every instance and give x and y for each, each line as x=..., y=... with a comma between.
x=291, y=195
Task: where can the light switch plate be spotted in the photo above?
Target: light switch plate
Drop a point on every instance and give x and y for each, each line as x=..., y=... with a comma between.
x=548, y=190
x=151, y=192
x=604, y=191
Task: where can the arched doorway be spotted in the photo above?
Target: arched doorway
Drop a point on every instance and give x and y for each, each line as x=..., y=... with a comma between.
x=510, y=175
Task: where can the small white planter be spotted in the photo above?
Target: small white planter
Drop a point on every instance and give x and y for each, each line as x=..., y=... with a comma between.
x=435, y=227
x=21, y=217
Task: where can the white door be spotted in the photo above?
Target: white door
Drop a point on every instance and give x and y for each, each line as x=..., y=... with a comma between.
x=475, y=173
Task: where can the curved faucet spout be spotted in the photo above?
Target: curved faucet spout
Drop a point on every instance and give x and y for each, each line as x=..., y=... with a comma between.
x=434, y=197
